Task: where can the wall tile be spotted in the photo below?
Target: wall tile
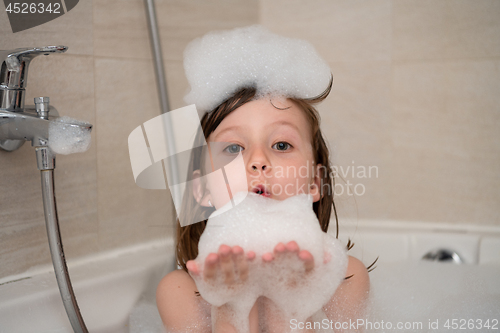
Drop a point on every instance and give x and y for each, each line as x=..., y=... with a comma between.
x=73, y=29
x=446, y=29
x=22, y=226
x=419, y=100
x=353, y=119
x=445, y=134
x=340, y=30
x=474, y=28
x=177, y=84
x=182, y=21
x=474, y=125
x=420, y=29
x=120, y=29
x=124, y=100
x=419, y=177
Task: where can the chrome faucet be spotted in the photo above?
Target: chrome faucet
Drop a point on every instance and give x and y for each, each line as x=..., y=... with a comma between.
x=17, y=122
x=35, y=123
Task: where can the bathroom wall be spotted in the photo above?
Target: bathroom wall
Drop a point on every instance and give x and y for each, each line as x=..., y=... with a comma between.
x=416, y=94
x=106, y=78
x=415, y=97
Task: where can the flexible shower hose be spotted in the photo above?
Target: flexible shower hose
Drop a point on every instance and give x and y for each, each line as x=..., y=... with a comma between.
x=46, y=164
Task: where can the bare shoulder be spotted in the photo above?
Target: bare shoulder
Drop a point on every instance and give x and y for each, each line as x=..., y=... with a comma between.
x=179, y=307
x=350, y=299
x=176, y=281
x=357, y=275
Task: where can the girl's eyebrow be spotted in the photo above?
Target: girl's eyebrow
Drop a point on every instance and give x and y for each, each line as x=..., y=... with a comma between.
x=239, y=129
x=229, y=129
x=285, y=123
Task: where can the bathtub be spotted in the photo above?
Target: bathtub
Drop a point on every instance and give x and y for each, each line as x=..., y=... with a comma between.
x=409, y=294
x=116, y=290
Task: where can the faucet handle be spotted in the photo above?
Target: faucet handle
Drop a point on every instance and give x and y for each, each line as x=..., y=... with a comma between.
x=14, y=68
x=14, y=73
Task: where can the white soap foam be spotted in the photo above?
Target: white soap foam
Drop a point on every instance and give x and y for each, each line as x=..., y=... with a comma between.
x=144, y=318
x=258, y=224
x=220, y=63
x=68, y=136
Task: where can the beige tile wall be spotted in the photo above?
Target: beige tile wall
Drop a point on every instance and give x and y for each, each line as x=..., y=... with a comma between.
x=415, y=95
x=107, y=79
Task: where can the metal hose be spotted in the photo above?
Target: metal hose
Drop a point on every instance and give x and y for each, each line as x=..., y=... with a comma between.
x=46, y=164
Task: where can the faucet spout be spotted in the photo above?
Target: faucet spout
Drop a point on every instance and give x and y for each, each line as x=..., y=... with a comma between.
x=24, y=125
x=42, y=125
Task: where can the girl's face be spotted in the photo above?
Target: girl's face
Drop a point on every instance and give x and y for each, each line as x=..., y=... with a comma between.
x=276, y=148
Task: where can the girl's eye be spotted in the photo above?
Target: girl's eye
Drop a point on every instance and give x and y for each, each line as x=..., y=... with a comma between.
x=282, y=146
x=233, y=149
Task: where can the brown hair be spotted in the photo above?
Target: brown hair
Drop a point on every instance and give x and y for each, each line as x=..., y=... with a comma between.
x=189, y=236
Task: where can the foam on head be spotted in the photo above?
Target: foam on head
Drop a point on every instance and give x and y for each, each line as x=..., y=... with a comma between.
x=220, y=63
x=68, y=135
x=258, y=224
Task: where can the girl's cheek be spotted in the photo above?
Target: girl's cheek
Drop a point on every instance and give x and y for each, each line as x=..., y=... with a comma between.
x=291, y=184
x=236, y=175
x=220, y=190
x=217, y=187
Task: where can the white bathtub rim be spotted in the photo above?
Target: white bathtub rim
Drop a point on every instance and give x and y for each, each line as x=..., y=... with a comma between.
x=347, y=225
x=92, y=258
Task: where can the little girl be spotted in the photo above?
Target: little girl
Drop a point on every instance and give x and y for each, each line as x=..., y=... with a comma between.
x=274, y=131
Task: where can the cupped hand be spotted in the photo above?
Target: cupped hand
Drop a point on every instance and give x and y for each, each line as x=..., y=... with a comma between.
x=230, y=262
x=291, y=249
x=288, y=255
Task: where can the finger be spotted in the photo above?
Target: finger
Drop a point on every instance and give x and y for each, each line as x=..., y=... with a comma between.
x=308, y=260
x=192, y=267
x=237, y=250
x=251, y=255
x=226, y=263
x=267, y=257
x=292, y=246
x=241, y=262
x=210, y=266
x=279, y=249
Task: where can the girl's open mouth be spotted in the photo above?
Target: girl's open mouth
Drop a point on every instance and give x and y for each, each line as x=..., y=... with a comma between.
x=261, y=189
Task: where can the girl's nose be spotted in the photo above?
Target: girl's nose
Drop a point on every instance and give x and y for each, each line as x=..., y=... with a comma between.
x=256, y=167
x=258, y=163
